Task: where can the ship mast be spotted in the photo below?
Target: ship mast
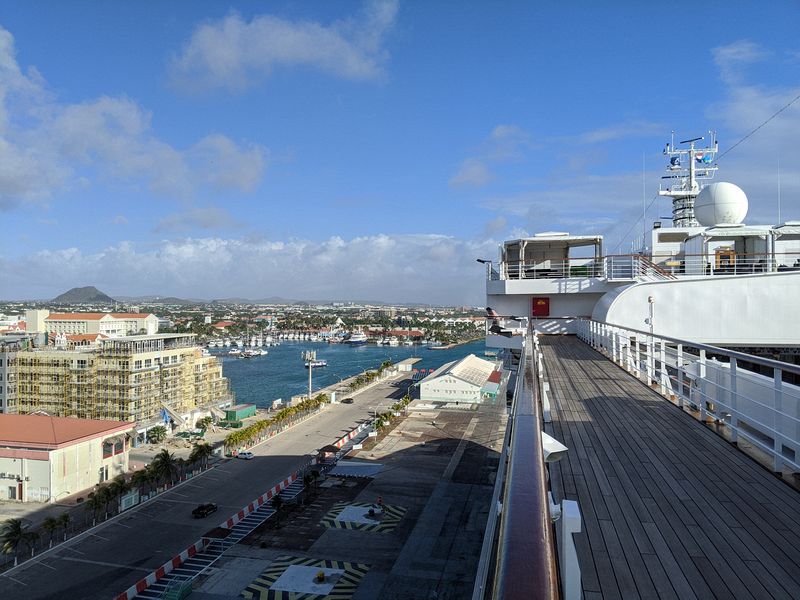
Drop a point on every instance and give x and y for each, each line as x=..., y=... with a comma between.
x=687, y=167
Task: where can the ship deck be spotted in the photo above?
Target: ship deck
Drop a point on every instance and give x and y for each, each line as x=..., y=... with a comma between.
x=670, y=509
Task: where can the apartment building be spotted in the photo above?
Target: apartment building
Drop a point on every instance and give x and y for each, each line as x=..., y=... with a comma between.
x=108, y=324
x=153, y=379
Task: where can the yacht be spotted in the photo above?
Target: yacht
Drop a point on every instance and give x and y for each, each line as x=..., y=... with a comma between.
x=393, y=341
x=357, y=338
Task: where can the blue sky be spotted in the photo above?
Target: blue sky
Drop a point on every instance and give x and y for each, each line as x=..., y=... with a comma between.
x=363, y=150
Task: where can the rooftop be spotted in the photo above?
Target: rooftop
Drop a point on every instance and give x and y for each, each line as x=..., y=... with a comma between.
x=40, y=431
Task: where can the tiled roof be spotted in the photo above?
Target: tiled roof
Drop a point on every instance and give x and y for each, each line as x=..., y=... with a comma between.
x=37, y=431
x=75, y=316
x=130, y=315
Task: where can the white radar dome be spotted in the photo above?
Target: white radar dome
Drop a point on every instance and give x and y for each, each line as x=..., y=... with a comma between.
x=719, y=203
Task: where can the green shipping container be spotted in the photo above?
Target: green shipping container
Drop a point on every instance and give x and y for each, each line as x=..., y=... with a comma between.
x=239, y=412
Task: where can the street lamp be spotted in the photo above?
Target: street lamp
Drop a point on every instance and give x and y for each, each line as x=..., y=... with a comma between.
x=488, y=264
x=309, y=356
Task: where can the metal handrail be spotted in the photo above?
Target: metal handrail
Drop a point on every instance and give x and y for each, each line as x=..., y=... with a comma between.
x=526, y=566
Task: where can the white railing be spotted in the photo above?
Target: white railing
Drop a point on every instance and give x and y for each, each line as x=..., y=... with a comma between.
x=764, y=410
x=549, y=269
x=631, y=267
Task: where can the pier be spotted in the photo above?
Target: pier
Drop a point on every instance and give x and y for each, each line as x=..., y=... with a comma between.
x=670, y=508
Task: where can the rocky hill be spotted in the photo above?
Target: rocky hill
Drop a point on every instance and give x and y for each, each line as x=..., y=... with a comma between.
x=83, y=295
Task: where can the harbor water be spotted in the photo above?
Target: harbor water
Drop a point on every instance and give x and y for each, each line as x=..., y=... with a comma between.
x=282, y=374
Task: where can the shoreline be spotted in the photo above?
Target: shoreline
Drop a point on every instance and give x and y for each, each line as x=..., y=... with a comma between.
x=455, y=344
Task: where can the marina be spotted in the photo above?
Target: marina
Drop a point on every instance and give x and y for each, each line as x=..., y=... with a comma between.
x=282, y=374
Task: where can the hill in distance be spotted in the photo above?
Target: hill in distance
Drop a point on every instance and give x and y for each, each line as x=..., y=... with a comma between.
x=83, y=295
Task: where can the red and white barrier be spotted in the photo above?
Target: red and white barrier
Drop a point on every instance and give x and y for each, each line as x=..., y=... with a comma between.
x=168, y=566
x=343, y=440
x=263, y=498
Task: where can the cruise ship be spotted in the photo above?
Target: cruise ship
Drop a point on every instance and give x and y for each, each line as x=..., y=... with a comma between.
x=654, y=444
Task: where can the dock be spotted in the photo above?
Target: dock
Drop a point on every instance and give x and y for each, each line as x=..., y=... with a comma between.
x=670, y=509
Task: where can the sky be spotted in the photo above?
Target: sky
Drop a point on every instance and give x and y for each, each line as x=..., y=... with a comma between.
x=365, y=150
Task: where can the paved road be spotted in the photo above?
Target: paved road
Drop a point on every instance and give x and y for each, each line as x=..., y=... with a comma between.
x=115, y=555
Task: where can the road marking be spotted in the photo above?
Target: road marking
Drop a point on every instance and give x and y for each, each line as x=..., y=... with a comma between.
x=44, y=564
x=108, y=564
x=16, y=580
x=177, y=494
x=99, y=536
x=71, y=549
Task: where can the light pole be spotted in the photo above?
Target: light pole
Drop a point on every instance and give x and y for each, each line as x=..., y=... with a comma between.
x=309, y=356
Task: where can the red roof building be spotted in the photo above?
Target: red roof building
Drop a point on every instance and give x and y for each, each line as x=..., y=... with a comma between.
x=45, y=458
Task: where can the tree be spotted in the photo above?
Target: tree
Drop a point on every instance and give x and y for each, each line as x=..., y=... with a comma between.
x=165, y=466
x=50, y=524
x=157, y=434
x=142, y=478
x=12, y=535
x=204, y=423
x=64, y=521
x=201, y=453
x=93, y=505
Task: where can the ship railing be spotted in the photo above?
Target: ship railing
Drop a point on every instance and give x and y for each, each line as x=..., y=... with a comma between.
x=549, y=269
x=746, y=396
x=729, y=263
x=518, y=558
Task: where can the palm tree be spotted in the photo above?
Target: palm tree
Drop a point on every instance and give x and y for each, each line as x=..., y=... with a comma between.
x=142, y=478
x=50, y=524
x=93, y=504
x=201, y=453
x=118, y=487
x=64, y=521
x=165, y=465
x=12, y=534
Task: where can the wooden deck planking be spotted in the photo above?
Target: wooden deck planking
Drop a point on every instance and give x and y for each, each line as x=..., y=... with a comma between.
x=670, y=508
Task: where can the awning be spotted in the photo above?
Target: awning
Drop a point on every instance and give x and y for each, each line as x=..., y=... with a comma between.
x=351, y=468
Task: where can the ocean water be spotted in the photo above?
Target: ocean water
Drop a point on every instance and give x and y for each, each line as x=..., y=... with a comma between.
x=282, y=374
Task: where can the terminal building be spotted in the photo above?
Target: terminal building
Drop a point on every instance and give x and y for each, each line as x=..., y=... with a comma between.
x=147, y=379
x=470, y=380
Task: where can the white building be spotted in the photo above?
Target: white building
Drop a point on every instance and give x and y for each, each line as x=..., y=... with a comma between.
x=108, y=324
x=470, y=380
x=45, y=459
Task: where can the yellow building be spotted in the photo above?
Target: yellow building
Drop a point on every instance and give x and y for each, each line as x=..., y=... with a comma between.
x=147, y=379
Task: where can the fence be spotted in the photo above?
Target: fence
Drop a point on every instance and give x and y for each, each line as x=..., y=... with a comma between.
x=764, y=410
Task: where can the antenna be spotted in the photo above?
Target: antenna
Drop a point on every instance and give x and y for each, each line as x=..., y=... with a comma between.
x=688, y=168
x=779, y=188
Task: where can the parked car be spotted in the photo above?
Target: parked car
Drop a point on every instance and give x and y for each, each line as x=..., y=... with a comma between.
x=245, y=455
x=347, y=401
x=204, y=510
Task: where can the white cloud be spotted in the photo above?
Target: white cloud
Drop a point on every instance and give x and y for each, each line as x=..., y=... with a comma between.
x=505, y=143
x=422, y=268
x=46, y=146
x=472, y=173
x=233, y=53
x=210, y=217
x=731, y=58
x=495, y=226
x=627, y=129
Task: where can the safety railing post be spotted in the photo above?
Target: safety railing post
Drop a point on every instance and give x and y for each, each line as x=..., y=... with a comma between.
x=614, y=345
x=663, y=370
x=680, y=374
x=734, y=405
x=702, y=385
x=777, y=449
